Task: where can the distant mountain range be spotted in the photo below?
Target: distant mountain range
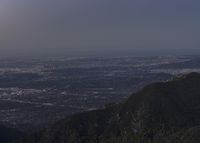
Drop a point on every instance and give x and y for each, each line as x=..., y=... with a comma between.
x=165, y=112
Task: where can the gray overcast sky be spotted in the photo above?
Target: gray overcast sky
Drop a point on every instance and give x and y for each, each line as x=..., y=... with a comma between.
x=87, y=27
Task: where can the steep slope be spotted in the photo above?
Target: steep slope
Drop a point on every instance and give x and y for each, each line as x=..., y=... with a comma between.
x=157, y=113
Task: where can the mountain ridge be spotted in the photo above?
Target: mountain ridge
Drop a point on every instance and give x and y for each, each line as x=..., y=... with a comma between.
x=156, y=111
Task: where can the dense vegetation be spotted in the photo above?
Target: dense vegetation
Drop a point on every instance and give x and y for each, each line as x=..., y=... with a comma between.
x=167, y=112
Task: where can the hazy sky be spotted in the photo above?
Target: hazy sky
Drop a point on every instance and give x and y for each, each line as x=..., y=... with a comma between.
x=91, y=27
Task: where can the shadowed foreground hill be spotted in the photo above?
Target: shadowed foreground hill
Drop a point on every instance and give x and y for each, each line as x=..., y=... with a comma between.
x=8, y=135
x=11, y=135
x=159, y=113
x=167, y=112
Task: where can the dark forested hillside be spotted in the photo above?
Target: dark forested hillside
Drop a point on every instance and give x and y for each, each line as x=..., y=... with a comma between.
x=165, y=112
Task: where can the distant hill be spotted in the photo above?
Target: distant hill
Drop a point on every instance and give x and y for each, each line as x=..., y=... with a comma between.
x=165, y=112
